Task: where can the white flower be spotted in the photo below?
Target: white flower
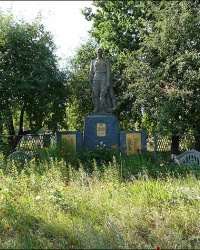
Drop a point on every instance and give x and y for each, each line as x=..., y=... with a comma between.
x=37, y=197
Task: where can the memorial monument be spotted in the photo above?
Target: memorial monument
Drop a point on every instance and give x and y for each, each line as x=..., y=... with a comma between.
x=103, y=95
x=101, y=125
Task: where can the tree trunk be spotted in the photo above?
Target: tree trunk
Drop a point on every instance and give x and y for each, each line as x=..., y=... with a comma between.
x=197, y=142
x=175, y=144
x=11, y=132
x=18, y=137
x=1, y=126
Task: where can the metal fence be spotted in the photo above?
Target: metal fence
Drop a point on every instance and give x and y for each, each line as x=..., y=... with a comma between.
x=27, y=143
x=160, y=144
x=185, y=142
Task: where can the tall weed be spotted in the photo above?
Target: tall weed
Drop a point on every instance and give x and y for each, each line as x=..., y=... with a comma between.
x=136, y=202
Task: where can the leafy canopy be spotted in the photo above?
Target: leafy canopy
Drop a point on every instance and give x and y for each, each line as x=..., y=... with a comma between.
x=33, y=90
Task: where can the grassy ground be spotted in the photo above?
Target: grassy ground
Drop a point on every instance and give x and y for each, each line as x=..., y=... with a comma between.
x=134, y=202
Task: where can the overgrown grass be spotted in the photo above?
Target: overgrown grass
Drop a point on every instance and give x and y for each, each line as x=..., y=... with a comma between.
x=132, y=202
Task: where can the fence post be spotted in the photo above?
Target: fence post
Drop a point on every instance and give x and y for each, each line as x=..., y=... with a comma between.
x=155, y=144
x=46, y=140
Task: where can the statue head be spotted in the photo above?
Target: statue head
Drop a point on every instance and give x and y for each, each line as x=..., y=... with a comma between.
x=99, y=52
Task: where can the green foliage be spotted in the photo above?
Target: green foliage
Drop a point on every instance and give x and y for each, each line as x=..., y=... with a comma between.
x=117, y=26
x=164, y=72
x=59, y=152
x=154, y=52
x=18, y=161
x=80, y=101
x=32, y=89
x=51, y=207
x=101, y=156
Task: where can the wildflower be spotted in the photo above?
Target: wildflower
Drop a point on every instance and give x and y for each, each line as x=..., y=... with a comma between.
x=37, y=197
x=141, y=244
x=161, y=164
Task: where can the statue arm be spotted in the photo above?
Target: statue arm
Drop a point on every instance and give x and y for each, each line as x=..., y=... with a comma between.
x=108, y=70
x=91, y=73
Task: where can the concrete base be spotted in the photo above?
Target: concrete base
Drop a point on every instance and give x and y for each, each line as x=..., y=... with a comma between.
x=101, y=129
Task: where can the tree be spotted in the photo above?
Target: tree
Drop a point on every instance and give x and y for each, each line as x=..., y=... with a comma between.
x=80, y=101
x=33, y=90
x=117, y=27
x=157, y=49
x=165, y=70
x=154, y=52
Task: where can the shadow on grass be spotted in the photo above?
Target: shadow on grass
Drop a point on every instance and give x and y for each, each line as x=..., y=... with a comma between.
x=29, y=231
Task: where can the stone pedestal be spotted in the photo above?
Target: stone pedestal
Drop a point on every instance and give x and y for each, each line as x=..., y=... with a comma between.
x=133, y=142
x=101, y=129
x=73, y=137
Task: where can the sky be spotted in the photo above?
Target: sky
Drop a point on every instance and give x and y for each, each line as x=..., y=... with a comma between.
x=62, y=18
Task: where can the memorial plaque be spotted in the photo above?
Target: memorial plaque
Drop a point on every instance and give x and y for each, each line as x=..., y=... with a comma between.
x=101, y=129
x=133, y=143
x=71, y=138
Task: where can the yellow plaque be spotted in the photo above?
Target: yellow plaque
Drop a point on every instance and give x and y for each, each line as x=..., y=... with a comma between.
x=133, y=143
x=101, y=129
x=71, y=138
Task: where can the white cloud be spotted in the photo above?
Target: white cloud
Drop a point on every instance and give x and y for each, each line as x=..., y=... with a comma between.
x=62, y=18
